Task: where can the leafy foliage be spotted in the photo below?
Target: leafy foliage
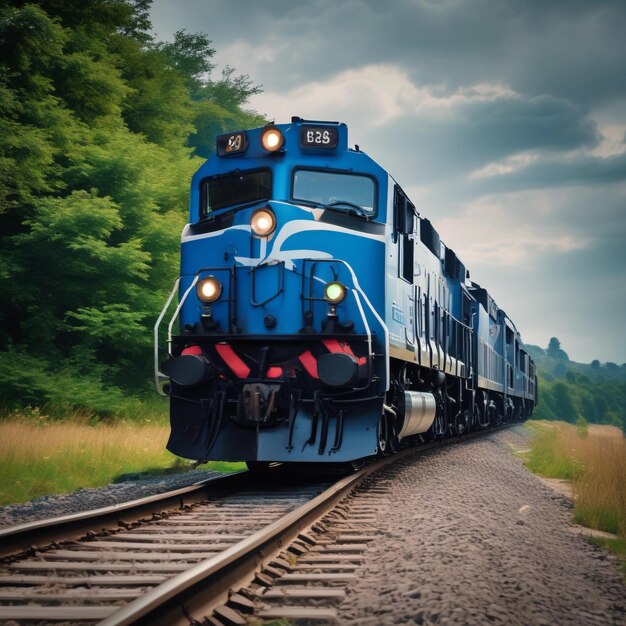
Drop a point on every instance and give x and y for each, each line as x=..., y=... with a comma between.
x=554, y=350
x=577, y=392
x=100, y=128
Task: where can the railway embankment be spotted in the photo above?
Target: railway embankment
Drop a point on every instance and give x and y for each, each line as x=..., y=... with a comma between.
x=467, y=535
x=94, y=498
x=458, y=535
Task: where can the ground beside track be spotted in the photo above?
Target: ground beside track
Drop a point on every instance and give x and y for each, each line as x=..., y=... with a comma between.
x=464, y=535
x=93, y=498
x=467, y=535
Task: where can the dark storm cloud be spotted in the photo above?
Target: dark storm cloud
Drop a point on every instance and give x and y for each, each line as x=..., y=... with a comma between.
x=574, y=49
x=576, y=170
x=459, y=139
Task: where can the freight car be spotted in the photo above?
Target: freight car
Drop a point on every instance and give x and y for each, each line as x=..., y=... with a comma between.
x=318, y=317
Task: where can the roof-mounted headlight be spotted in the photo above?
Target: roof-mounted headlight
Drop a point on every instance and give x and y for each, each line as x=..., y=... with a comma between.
x=263, y=222
x=209, y=289
x=334, y=292
x=272, y=139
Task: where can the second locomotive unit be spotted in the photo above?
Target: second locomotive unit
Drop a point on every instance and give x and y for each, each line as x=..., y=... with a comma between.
x=319, y=317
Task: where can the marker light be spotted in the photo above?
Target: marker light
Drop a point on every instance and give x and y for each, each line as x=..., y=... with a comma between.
x=272, y=139
x=209, y=289
x=263, y=222
x=334, y=292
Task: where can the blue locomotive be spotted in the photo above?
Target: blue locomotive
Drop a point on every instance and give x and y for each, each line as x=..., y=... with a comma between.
x=319, y=317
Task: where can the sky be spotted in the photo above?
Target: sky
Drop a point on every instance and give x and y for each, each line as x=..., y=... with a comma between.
x=503, y=120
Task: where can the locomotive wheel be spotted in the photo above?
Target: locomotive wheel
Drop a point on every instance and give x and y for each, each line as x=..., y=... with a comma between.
x=522, y=417
x=482, y=411
x=393, y=443
x=501, y=410
x=509, y=413
x=462, y=422
x=516, y=410
x=382, y=433
x=388, y=441
x=493, y=415
x=497, y=412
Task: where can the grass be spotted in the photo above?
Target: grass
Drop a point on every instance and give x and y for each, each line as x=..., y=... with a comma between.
x=594, y=459
x=40, y=457
x=551, y=454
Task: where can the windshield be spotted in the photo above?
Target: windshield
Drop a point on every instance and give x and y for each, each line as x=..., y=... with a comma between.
x=333, y=188
x=234, y=188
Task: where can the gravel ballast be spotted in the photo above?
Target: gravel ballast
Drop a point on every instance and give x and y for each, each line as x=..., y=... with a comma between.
x=464, y=535
x=88, y=498
x=467, y=535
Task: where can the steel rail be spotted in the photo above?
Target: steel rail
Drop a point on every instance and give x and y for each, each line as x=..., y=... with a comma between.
x=22, y=537
x=192, y=595
x=172, y=601
x=198, y=590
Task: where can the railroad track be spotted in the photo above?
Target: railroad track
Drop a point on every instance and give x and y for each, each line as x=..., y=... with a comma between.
x=213, y=553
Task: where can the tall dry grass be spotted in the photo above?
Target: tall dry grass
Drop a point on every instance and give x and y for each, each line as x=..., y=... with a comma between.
x=594, y=459
x=54, y=457
x=600, y=489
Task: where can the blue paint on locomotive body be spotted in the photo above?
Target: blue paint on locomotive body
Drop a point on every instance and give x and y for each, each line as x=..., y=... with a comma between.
x=298, y=237
x=268, y=365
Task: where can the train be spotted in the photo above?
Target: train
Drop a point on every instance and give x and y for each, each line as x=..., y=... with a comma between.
x=318, y=317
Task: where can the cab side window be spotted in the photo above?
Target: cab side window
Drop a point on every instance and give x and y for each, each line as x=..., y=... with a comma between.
x=404, y=224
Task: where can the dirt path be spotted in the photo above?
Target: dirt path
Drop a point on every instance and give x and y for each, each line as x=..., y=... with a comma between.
x=469, y=536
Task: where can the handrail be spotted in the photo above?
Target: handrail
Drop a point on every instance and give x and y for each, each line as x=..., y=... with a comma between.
x=158, y=376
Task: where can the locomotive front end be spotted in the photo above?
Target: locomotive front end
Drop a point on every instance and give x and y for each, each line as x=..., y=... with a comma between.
x=275, y=350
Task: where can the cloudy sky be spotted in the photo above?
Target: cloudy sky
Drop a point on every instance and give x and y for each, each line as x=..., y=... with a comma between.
x=504, y=121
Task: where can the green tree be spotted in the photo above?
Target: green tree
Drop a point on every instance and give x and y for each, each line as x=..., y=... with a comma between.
x=189, y=54
x=560, y=370
x=555, y=351
x=599, y=397
x=563, y=405
x=588, y=407
x=218, y=105
x=614, y=419
x=596, y=393
x=97, y=131
x=582, y=427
